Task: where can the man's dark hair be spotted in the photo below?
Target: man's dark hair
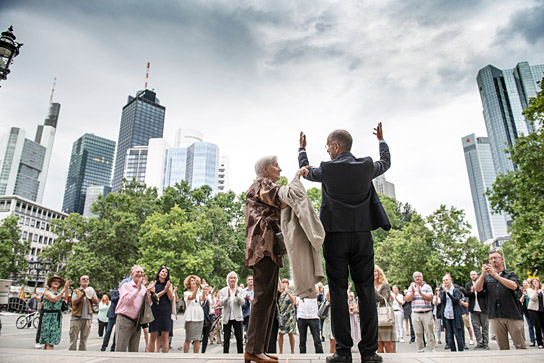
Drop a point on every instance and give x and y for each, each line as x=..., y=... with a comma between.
x=342, y=138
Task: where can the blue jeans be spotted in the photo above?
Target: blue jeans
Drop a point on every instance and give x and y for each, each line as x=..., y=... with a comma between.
x=109, y=328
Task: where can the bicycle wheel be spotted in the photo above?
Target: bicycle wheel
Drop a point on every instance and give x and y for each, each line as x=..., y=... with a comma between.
x=21, y=322
x=36, y=321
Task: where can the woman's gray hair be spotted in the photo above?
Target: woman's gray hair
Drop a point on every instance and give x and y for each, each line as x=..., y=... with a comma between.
x=232, y=273
x=264, y=162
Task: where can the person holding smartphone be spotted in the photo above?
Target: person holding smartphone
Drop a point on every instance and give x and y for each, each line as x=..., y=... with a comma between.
x=504, y=309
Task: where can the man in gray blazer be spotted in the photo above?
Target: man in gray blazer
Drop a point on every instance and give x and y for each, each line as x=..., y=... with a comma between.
x=231, y=298
x=350, y=210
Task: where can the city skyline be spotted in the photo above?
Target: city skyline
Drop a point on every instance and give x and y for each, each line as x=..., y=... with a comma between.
x=251, y=77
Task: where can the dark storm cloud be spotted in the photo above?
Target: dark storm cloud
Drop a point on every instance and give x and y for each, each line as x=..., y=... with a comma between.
x=527, y=23
x=431, y=14
x=218, y=29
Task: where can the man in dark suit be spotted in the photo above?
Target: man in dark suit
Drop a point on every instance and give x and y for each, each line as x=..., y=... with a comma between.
x=477, y=305
x=350, y=209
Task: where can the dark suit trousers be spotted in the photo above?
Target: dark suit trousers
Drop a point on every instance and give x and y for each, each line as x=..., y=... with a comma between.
x=261, y=317
x=352, y=253
x=237, y=326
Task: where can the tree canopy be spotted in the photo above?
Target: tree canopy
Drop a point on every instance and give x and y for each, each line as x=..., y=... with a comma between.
x=520, y=192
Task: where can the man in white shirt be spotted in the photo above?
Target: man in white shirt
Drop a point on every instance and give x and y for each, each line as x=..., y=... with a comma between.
x=307, y=317
x=477, y=306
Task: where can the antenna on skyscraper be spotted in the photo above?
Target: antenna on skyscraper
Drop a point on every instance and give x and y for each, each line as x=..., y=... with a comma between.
x=52, y=91
x=146, y=75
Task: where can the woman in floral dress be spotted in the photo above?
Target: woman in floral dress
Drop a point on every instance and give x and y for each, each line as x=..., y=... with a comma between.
x=287, y=309
x=52, y=314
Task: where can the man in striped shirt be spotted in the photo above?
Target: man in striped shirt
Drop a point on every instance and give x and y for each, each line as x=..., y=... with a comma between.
x=421, y=295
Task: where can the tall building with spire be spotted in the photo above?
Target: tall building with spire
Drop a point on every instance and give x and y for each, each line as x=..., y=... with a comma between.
x=24, y=163
x=91, y=163
x=142, y=119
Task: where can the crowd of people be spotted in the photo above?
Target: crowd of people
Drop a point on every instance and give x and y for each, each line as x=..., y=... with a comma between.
x=367, y=312
x=420, y=315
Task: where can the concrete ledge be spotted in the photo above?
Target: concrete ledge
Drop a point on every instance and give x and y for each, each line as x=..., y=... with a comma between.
x=27, y=355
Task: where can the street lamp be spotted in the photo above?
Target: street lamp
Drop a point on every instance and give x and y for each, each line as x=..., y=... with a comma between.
x=39, y=266
x=9, y=49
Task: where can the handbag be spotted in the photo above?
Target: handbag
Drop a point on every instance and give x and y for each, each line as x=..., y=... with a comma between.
x=323, y=311
x=155, y=298
x=386, y=316
x=282, y=319
x=281, y=249
x=146, y=315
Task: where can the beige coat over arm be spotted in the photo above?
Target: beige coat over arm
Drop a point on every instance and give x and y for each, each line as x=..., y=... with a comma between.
x=304, y=235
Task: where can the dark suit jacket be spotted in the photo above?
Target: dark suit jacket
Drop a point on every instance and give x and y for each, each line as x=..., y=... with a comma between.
x=114, y=298
x=482, y=298
x=456, y=303
x=349, y=202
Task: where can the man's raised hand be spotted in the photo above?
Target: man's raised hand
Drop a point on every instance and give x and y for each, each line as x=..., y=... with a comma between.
x=302, y=140
x=378, y=131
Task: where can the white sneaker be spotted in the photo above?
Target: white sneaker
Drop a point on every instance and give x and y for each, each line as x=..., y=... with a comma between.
x=402, y=340
x=471, y=342
x=38, y=346
x=420, y=351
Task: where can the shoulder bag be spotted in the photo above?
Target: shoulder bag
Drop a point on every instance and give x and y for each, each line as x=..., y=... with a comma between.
x=323, y=311
x=282, y=319
x=386, y=316
x=146, y=315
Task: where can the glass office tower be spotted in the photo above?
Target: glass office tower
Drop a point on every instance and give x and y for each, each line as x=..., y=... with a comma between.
x=505, y=94
x=481, y=175
x=91, y=163
x=142, y=119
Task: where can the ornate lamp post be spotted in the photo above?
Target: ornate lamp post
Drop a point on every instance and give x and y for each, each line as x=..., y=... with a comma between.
x=39, y=266
x=9, y=49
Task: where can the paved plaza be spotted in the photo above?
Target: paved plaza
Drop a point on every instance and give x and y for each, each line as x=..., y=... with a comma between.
x=17, y=345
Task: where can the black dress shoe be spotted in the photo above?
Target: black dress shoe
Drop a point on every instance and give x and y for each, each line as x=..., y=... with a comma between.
x=372, y=358
x=338, y=358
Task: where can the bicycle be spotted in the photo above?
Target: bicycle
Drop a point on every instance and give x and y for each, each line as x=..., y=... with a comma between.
x=28, y=320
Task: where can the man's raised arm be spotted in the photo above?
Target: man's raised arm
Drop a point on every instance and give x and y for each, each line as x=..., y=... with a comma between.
x=384, y=163
x=314, y=174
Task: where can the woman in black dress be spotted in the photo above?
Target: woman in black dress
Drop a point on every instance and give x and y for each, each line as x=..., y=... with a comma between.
x=160, y=327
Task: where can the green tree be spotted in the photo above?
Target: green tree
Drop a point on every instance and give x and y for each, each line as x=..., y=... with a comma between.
x=405, y=251
x=435, y=245
x=455, y=251
x=520, y=192
x=171, y=240
x=107, y=246
x=12, y=250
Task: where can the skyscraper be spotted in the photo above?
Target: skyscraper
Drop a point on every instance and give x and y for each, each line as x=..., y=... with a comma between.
x=481, y=175
x=24, y=163
x=505, y=94
x=384, y=187
x=93, y=192
x=161, y=165
x=142, y=119
x=91, y=163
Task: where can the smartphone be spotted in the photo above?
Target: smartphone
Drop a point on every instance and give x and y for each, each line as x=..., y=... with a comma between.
x=486, y=261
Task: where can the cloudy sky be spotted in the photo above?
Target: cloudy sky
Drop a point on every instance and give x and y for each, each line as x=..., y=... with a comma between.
x=251, y=75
